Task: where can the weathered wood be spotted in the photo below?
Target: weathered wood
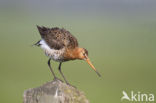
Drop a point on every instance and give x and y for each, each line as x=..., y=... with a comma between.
x=54, y=92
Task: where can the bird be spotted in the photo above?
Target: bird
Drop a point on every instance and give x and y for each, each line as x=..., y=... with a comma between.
x=61, y=46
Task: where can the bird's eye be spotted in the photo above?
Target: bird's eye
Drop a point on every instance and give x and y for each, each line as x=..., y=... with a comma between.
x=84, y=54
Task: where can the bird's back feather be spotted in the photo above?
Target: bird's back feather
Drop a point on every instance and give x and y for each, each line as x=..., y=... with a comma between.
x=57, y=38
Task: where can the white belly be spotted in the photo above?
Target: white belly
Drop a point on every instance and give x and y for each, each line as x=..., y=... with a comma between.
x=56, y=55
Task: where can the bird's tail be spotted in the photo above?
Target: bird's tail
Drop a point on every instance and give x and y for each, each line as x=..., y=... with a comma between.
x=37, y=43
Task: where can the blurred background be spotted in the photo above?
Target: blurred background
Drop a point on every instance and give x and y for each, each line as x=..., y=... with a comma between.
x=120, y=36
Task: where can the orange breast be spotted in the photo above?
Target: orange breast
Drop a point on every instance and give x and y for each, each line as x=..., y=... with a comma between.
x=71, y=54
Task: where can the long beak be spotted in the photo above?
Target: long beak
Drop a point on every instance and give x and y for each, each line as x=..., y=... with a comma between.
x=89, y=62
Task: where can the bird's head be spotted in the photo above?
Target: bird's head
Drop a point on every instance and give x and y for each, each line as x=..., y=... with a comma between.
x=83, y=55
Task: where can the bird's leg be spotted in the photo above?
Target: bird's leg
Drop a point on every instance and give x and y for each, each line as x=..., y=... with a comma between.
x=64, y=76
x=51, y=69
x=62, y=73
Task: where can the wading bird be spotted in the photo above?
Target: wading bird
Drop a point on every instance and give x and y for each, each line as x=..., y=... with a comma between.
x=60, y=45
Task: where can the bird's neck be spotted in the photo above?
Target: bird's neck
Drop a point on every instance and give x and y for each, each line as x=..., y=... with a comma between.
x=72, y=54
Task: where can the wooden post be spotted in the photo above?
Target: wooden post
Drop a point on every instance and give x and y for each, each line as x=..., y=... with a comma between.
x=54, y=92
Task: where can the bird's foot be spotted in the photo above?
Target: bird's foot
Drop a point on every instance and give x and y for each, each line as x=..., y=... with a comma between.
x=55, y=79
x=71, y=85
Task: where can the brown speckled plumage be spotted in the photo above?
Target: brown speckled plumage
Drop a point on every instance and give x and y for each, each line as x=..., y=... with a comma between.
x=58, y=38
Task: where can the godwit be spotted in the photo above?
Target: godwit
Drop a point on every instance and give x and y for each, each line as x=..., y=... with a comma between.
x=60, y=45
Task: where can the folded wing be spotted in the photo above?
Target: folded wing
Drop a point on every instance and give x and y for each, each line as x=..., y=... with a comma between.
x=57, y=38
